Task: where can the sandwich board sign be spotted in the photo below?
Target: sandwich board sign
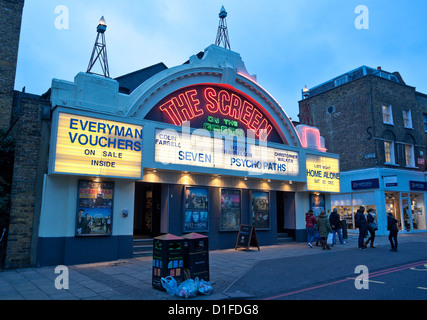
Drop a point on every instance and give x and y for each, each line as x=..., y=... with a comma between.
x=247, y=238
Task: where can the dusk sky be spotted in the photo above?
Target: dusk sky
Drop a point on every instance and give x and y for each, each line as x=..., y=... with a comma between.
x=287, y=44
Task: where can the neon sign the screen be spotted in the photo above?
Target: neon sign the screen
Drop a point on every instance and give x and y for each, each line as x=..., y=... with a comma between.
x=212, y=104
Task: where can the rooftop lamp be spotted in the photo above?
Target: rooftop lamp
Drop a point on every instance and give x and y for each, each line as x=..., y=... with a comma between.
x=223, y=13
x=305, y=92
x=102, y=25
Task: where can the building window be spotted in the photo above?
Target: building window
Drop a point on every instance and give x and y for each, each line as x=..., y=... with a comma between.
x=341, y=81
x=389, y=152
x=409, y=155
x=425, y=122
x=384, y=75
x=407, y=118
x=387, y=114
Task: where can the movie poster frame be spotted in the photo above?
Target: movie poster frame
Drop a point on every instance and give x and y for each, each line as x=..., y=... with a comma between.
x=195, y=210
x=222, y=212
x=322, y=203
x=80, y=207
x=268, y=211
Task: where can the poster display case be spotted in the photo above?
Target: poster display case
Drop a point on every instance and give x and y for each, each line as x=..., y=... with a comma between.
x=196, y=209
x=230, y=209
x=260, y=210
x=94, y=208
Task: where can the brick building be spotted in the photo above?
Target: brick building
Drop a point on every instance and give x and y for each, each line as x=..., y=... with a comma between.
x=26, y=118
x=10, y=29
x=377, y=124
x=30, y=128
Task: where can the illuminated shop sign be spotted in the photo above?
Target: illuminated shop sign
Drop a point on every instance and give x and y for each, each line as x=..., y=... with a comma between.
x=216, y=108
x=418, y=185
x=365, y=184
x=199, y=150
x=323, y=174
x=98, y=147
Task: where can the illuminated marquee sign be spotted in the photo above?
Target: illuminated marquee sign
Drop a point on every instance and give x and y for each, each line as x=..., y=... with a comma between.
x=216, y=108
x=98, y=147
x=323, y=174
x=172, y=147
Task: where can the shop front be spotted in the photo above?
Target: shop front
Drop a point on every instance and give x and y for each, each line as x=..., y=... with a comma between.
x=200, y=147
x=385, y=190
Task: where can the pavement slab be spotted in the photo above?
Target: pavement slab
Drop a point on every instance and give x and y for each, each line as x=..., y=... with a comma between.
x=231, y=272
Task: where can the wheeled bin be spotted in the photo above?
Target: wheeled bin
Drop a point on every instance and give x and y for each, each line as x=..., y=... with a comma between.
x=168, y=259
x=196, y=255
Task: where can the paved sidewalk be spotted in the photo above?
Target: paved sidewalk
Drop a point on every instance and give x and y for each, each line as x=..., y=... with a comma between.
x=131, y=279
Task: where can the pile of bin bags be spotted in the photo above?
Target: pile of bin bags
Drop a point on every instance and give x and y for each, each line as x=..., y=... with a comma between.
x=187, y=289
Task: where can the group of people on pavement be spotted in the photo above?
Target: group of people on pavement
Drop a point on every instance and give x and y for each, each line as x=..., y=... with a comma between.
x=367, y=223
x=324, y=226
x=332, y=225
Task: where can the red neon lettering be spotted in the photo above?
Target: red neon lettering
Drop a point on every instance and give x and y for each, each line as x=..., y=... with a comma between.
x=168, y=108
x=235, y=106
x=255, y=123
x=246, y=114
x=182, y=106
x=187, y=106
x=210, y=96
x=194, y=103
x=224, y=102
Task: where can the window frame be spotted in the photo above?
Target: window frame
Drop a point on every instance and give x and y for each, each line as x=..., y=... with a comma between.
x=341, y=80
x=392, y=155
x=411, y=154
x=389, y=114
x=407, y=119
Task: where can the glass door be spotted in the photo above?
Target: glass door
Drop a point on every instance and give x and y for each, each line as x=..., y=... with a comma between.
x=394, y=206
x=418, y=212
x=407, y=212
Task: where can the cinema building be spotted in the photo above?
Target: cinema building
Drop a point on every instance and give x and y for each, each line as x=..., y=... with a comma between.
x=200, y=147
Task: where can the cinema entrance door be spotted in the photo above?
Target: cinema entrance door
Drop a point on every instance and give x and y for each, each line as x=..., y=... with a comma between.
x=147, y=210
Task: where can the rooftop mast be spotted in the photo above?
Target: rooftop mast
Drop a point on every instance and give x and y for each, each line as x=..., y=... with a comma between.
x=100, y=50
x=222, y=36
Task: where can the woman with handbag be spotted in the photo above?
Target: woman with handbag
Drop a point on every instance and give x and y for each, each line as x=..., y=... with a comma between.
x=372, y=227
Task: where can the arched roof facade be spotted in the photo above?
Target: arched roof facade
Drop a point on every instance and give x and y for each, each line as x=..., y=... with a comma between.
x=220, y=69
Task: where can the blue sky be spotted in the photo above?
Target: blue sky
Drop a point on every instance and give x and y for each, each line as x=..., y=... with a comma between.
x=287, y=44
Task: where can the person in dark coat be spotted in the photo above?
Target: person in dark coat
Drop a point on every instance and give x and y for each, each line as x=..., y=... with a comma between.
x=335, y=221
x=324, y=229
x=362, y=225
x=371, y=219
x=393, y=229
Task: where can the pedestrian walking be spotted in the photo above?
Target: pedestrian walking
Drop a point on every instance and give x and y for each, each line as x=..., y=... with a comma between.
x=393, y=229
x=335, y=221
x=310, y=221
x=324, y=229
x=362, y=225
x=372, y=227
